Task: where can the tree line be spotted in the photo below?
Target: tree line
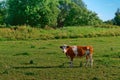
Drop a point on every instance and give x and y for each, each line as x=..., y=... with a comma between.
x=53, y=13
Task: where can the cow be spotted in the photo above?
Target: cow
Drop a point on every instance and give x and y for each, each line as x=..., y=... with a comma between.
x=78, y=51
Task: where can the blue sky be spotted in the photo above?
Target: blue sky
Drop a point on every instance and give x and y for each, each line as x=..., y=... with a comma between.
x=104, y=8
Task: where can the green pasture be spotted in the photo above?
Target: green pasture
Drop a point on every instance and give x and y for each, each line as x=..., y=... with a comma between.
x=43, y=60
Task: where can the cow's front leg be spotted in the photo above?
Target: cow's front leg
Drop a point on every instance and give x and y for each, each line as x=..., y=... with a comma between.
x=87, y=61
x=71, y=63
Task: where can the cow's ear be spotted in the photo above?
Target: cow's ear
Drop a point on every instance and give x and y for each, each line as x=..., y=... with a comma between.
x=60, y=46
x=68, y=46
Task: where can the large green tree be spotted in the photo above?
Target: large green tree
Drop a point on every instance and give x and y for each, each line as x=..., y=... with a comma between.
x=32, y=12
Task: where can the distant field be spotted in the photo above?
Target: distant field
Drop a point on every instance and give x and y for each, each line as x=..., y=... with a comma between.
x=28, y=33
x=43, y=59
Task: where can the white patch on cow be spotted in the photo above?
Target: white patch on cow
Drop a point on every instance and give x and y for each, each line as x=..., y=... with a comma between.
x=64, y=50
x=75, y=50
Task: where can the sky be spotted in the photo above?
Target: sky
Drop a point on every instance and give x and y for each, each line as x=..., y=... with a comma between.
x=104, y=8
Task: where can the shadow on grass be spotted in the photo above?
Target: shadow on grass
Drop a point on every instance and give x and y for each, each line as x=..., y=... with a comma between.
x=45, y=67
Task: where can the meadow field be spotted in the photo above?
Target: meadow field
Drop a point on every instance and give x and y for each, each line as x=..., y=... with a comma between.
x=43, y=60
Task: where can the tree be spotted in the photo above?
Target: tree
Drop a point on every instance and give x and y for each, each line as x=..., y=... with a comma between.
x=16, y=12
x=93, y=19
x=49, y=12
x=80, y=3
x=110, y=22
x=74, y=16
x=64, y=6
x=32, y=12
x=2, y=12
x=69, y=12
x=117, y=17
x=80, y=15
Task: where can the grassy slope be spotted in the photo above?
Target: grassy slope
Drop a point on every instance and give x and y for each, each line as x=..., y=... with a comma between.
x=28, y=33
x=47, y=57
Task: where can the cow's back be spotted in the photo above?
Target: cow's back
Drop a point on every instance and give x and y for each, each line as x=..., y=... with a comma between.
x=82, y=50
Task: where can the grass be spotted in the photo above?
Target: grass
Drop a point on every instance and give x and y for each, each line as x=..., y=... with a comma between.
x=43, y=60
x=29, y=33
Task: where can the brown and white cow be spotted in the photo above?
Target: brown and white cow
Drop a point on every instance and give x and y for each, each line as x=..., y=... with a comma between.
x=78, y=51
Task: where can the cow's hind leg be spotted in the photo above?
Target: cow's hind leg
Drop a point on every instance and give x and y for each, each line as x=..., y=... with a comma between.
x=91, y=60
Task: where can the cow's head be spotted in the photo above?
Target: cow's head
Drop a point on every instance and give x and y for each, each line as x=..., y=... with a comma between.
x=64, y=48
